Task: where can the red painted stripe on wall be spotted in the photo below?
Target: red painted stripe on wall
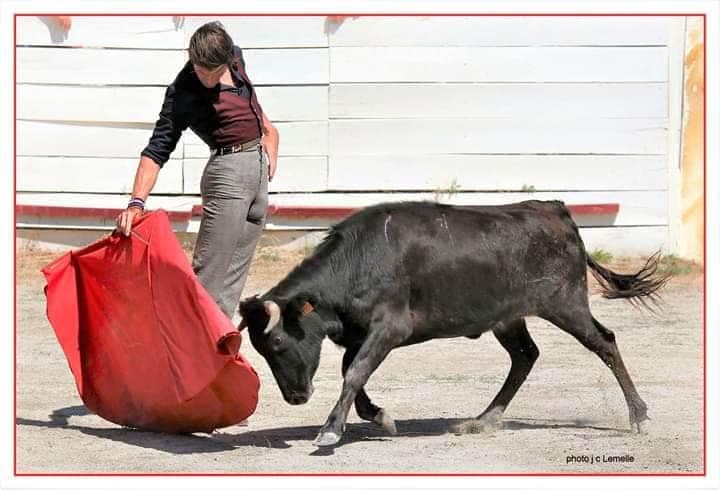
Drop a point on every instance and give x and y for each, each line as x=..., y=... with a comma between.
x=297, y=212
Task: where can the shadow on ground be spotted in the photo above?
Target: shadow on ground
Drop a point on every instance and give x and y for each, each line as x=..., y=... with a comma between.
x=281, y=438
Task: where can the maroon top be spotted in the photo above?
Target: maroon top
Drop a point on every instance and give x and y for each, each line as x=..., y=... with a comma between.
x=237, y=122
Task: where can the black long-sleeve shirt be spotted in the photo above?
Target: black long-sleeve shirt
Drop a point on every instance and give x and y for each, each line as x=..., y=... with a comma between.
x=220, y=116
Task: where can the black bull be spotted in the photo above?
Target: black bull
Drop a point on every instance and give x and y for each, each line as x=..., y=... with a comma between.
x=399, y=274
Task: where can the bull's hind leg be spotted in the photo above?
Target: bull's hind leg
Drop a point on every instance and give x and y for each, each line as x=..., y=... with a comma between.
x=364, y=407
x=580, y=323
x=516, y=340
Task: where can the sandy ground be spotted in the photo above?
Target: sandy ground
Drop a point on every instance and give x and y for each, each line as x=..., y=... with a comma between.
x=570, y=406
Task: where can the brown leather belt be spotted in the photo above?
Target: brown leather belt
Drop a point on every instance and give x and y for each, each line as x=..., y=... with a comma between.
x=224, y=150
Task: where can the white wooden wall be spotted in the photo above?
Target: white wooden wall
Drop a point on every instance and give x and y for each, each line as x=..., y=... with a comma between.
x=375, y=108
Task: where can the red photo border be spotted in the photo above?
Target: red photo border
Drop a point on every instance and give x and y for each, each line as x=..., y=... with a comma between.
x=563, y=474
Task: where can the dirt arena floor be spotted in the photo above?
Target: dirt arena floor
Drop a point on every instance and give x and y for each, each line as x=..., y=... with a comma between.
x=569, y=416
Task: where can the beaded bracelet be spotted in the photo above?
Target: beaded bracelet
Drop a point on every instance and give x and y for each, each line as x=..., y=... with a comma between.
x=136, y=202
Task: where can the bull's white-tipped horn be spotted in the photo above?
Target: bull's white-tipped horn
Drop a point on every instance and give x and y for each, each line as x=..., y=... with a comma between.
x=273, y=310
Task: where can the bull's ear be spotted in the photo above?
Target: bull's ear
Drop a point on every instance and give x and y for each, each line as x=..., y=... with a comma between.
x=303, y=304
x=307, y=308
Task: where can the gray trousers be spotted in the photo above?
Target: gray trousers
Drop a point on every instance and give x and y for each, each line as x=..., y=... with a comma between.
x=234, y=190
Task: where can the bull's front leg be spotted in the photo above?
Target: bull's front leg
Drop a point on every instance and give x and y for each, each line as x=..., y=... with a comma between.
x=365, y=408
x=384, y=334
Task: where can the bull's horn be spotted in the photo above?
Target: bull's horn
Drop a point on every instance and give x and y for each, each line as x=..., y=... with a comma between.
x=273, y=310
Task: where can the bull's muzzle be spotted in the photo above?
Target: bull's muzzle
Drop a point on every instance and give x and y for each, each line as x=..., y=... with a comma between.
x=299, y=397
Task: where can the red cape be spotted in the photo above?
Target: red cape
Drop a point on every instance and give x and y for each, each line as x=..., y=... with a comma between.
x=147, y=345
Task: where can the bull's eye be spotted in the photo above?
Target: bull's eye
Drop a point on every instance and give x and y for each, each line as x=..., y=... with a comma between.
x=276, y=341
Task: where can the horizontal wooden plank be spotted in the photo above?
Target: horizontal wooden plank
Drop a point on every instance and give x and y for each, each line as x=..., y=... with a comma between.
x=502, y=31
x=287, y=66
x=170, y=32
x=102, y=31
x=626, y=240
x=495, y=172
x=89, y=104
x=100, y=175
x=304, y=212
x=37, y=138
x=507, y=100
x=294, y=174
x=80, y=213
x=142, y=104
x=300, y=174
x=158, y=67
x=636, y=208
x=104, y=201
x=296, y=139
x=98, y=66
x=490, y=136
x=289, y=103
x=273, y=211
x=499, y=64
x=267, y=32
x=308, y=103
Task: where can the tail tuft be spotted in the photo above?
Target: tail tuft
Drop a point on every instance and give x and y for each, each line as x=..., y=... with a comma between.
x=637, y=288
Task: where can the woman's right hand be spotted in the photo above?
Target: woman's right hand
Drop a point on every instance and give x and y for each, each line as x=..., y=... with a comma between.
x=125, y=220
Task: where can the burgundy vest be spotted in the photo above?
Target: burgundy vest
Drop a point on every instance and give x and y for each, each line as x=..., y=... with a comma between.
x=239, y=118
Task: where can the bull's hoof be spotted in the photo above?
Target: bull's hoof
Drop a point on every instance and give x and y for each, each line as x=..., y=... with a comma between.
x=492, y=420
x=475, y=426
x=641, y=427
x=326, y=439
x=486, y=423
x=386, y=421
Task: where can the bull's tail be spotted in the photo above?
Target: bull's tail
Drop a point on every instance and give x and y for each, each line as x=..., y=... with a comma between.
x=637, y=288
